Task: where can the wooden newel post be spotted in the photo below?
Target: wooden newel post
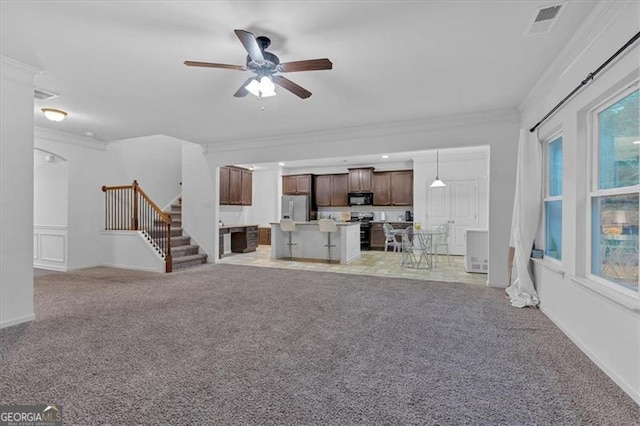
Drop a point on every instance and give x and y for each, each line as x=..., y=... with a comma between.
x=134, y=206
x=168, y=260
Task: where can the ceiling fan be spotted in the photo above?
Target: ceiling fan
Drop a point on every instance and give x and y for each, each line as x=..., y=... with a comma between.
x=266, y=66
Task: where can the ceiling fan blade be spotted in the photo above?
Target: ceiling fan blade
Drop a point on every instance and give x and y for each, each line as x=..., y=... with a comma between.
x=242, y=91
x=309, y=65
x=212, y=65
x=291, y=86
x=249, y=42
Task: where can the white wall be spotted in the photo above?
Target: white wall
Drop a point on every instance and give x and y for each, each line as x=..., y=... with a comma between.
x=266, y=197
x=199, y=199
x=154, y=161
x=51, y=187
x=16, y=192
x=129, y=250
x=604, y=323
x=496, y=129
x=86, y=165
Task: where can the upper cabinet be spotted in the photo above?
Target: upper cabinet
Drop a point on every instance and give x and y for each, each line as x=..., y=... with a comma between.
x=393, y=188
x=402, y=188
x=381, y=189
x=296, y=184
x=236, y=186
x=360, y=180
x=331, y=190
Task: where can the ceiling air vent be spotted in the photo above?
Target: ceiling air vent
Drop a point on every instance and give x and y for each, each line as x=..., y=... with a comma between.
x=43, y=95
x=544, y=19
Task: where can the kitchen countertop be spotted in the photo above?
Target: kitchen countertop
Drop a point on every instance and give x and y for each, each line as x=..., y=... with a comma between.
x=315, y=222
x=235, y=225
x=408, y=222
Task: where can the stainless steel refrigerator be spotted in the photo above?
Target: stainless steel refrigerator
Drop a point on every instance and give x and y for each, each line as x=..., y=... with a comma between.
x=296, y=207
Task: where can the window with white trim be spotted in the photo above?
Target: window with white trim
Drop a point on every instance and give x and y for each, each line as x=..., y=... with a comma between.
x=615, y=191
x=553, y=199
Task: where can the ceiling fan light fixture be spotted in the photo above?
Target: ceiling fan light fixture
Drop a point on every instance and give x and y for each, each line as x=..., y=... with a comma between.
x=54, y=114
x=262, y=89
x=267, y=88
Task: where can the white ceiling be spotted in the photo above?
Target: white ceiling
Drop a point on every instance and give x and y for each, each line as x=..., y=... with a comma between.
x=118, y=66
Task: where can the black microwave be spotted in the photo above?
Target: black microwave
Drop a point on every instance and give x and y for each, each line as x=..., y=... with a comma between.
x=360, y=198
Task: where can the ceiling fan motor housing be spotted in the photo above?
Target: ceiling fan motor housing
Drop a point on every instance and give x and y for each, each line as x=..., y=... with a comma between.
x=271, y=61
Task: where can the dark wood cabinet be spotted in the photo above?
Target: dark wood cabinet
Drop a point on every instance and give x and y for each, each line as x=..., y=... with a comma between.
x=393, y=188
x=331, y=190
x=296, y=184
x=247, y=187
x=381, y=189
x=340, y=190
x=360, y=180
x=376, y=238
x=323, y=190
x=264, y=236
x=236, y=186
x=244, y=239
x=224, y=185
x=402, y=188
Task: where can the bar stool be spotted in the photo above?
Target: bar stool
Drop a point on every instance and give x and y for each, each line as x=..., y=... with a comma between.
x=328, y=226
x=287, y=225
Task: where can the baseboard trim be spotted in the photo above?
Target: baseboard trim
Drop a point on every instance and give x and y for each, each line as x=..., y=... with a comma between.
x=633, y=393
x=16, y=321
x=49, y=267
x=135, y=268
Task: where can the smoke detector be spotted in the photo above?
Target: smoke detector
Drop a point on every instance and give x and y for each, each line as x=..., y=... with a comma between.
x=544, y=19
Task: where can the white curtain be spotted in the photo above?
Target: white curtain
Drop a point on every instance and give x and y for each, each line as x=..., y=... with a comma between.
x=524, y=223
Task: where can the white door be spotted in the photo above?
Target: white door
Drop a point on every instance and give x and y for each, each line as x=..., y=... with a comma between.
x=457, y=205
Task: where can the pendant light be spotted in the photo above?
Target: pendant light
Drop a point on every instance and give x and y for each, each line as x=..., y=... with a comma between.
x=437, y=183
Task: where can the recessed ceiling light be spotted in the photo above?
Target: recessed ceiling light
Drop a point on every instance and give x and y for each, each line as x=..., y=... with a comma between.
x=636, y=142
x=281, y=164
x=252, y=168
x=385, y=156
x=54, y=114
x=88, y=133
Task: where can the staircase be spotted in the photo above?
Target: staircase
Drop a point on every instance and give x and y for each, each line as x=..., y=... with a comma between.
x=184, y=254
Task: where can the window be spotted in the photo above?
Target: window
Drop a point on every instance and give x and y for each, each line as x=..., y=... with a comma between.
x=553, y=200
x=615, y=191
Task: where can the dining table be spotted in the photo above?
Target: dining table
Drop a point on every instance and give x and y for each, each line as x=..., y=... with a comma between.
x=418, y=248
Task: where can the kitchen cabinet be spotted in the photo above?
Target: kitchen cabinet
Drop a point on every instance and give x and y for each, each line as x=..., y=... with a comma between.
x=360, y=179
x=381, y=189
x=331, y=190
x=296, y=184
x=224, y=185
x=402, y=188
x=244, y=239
x=377, y=238
x=236, y=186
x=264, y=236
x=393, y=188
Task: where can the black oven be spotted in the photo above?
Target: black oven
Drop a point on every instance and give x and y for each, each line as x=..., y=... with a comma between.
x=360, y=198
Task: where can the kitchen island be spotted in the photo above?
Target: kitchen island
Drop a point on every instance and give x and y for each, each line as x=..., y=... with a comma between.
x=311, y=243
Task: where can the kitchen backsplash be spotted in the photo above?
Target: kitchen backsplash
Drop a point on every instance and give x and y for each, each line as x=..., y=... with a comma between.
x=232, y=215
x=389, y=214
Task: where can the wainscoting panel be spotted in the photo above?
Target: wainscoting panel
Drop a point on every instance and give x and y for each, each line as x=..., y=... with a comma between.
x=50, y=247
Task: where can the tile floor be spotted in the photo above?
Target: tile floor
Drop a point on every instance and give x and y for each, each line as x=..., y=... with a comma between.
x=377, y=263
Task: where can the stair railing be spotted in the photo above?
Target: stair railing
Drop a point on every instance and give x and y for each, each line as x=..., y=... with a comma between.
x=129, y=208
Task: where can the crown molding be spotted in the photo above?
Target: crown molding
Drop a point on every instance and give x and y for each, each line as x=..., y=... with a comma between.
x=67, y=138
x=375, y=130
x=601, y=18
x=18, y=71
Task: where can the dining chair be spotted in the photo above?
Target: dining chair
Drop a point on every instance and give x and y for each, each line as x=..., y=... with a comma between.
x=391, y=237
x=441, y=239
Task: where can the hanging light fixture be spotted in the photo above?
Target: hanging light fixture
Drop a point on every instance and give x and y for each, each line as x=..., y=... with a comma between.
x=437, y=183
x=54, y=114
